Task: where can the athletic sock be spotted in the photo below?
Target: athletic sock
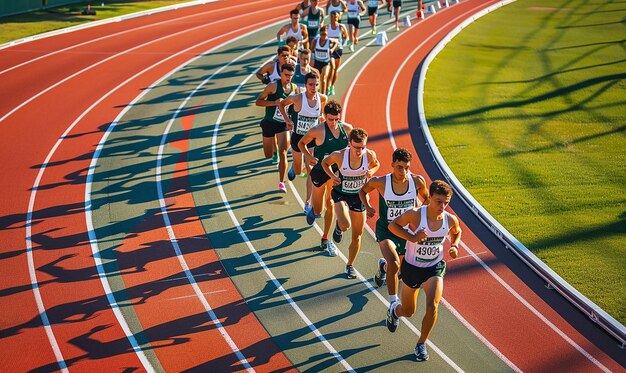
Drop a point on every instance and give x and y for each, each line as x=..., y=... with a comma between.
x=393, y=298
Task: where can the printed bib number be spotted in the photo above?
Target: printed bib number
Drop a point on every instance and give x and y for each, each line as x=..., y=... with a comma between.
x=353, y=14
x=313, y=23
x=322, y=55
x=352, y=184
x=304, y=123
x=397, y=208
x=427, y=253
x=278, y=116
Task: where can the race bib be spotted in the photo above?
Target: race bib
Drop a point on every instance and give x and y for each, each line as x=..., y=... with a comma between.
x=313, y=23
x=372, y=3
x=304, y=123
x=353, y=14
x=352, y=184
x=322, y=55
x=278, y=116
x=397, y=208
x=427, y=253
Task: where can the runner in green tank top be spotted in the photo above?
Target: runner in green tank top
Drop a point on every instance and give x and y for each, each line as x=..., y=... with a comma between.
x=314, y=19
x=398, y=191
x=329, y=136
x=273, y=123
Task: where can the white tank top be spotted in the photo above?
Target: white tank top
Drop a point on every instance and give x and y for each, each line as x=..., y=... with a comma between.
x=297, y=34
x=308, y=116
x=429, y=252
x=372, y=3
x=353, y=9
x=352, y=179
x=336, y=34
x=397, y=204
x=334, y=8
x=322, y=52
x=276, y=73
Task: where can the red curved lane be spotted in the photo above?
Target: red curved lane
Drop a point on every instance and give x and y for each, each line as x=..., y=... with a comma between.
x=85, y=327
x=486, y=304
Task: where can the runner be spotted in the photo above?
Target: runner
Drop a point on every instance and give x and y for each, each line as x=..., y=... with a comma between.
x=294, y=47
x=398, y=191
x=355, y=165
x=302, y=68
x=329, y=136
x=271, y=71
x=273, y=124
x=396, y=11
x=372, y=12
x=314, y=20
x=323, y=48
x=306, y=110
x=338, y=32
x=338, y=6
x=356, y=8
x=294, y=28
x=423, y=265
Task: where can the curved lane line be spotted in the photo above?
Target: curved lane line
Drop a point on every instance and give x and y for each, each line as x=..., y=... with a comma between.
x=123, y=53
x=106, y=36
x=243, y=235
x=92, y=237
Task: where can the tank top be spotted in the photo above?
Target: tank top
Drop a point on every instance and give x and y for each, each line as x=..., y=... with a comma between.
x=372, y=3
x=331, y=144
x=335, y=8
x=275, y=75
x=272, y=114
x=392, y=205
x=298, y=76
x=429, y=252
x=297, y=34
x=352, y=179
x=353, y=9
x=336, y=34
x=308, y=116
x=313, y=22
x=322, y=52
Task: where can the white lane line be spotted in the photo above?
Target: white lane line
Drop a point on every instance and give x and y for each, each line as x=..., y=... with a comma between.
x=168, y=223
x=78, y=73
x=171, y=20
x=93, y=241
x=244, y=236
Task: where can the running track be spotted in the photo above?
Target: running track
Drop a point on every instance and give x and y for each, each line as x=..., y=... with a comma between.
x=146, y=291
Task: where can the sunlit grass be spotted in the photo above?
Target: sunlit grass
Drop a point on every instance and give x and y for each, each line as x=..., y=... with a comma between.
x=527, y=106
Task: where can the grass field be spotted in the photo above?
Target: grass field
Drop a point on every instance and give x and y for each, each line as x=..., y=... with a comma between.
x=528, y=107
x=28, y=24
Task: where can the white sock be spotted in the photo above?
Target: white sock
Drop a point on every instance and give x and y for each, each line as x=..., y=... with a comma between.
x=393, y=298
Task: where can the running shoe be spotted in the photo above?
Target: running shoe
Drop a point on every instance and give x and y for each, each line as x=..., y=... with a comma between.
x=351, y=47
x=332, y=249
x=392, y=320
x=373, y=30
x=397, y=28
x=291, y=174
x=307, y=207
x=310, y=216
x=350, y=272
x=282, y=188
x=420, y=352
x=381, y=275
x=332, y=90
x=337, y=234
x=324, y=244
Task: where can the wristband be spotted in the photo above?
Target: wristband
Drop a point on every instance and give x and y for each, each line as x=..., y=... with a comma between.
x=455, y=246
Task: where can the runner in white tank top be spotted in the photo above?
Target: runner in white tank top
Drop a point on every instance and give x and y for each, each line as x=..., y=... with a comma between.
x=338, y=6
x=354, y=165
x=294, y=28
x=338, y=32
x=423, y=265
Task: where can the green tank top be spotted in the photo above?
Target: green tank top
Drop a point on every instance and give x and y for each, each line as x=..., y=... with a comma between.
x=272, y=114
x=313, y=23
x=331, y=144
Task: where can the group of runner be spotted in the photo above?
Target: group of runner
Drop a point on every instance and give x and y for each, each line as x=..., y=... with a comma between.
x=412, y=222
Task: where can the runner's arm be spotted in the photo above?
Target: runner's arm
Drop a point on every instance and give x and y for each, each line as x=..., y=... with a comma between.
x=411, y=217
x=263, y=71
x=372, y=184
x=311, y=135
x=455, y=236
x=282, y=106
x=373, y=165
x=331, y=159
x=422, y=190
x=262, y=99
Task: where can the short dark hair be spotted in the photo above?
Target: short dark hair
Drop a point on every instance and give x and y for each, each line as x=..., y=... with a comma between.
x=332, y=107
x=305, y=51
x=310, y=75
x=324, y=29
x=440, y=187
x=291, y=39
x=288, y=67
x=358, y=135
x=283, y=48
x=294, y=11
x=402, y=155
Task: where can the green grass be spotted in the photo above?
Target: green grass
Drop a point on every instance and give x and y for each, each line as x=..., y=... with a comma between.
x=528, y=107
x=29, y=24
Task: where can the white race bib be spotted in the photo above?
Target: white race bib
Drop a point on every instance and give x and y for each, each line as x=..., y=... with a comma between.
x=352, y=184
x=278, y=116
x=304, y=123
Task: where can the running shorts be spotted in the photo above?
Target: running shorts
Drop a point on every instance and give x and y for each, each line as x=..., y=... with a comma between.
x=414, y=276
x=353, y=200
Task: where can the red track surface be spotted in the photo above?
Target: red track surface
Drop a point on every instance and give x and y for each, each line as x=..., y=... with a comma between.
x=82, y=318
